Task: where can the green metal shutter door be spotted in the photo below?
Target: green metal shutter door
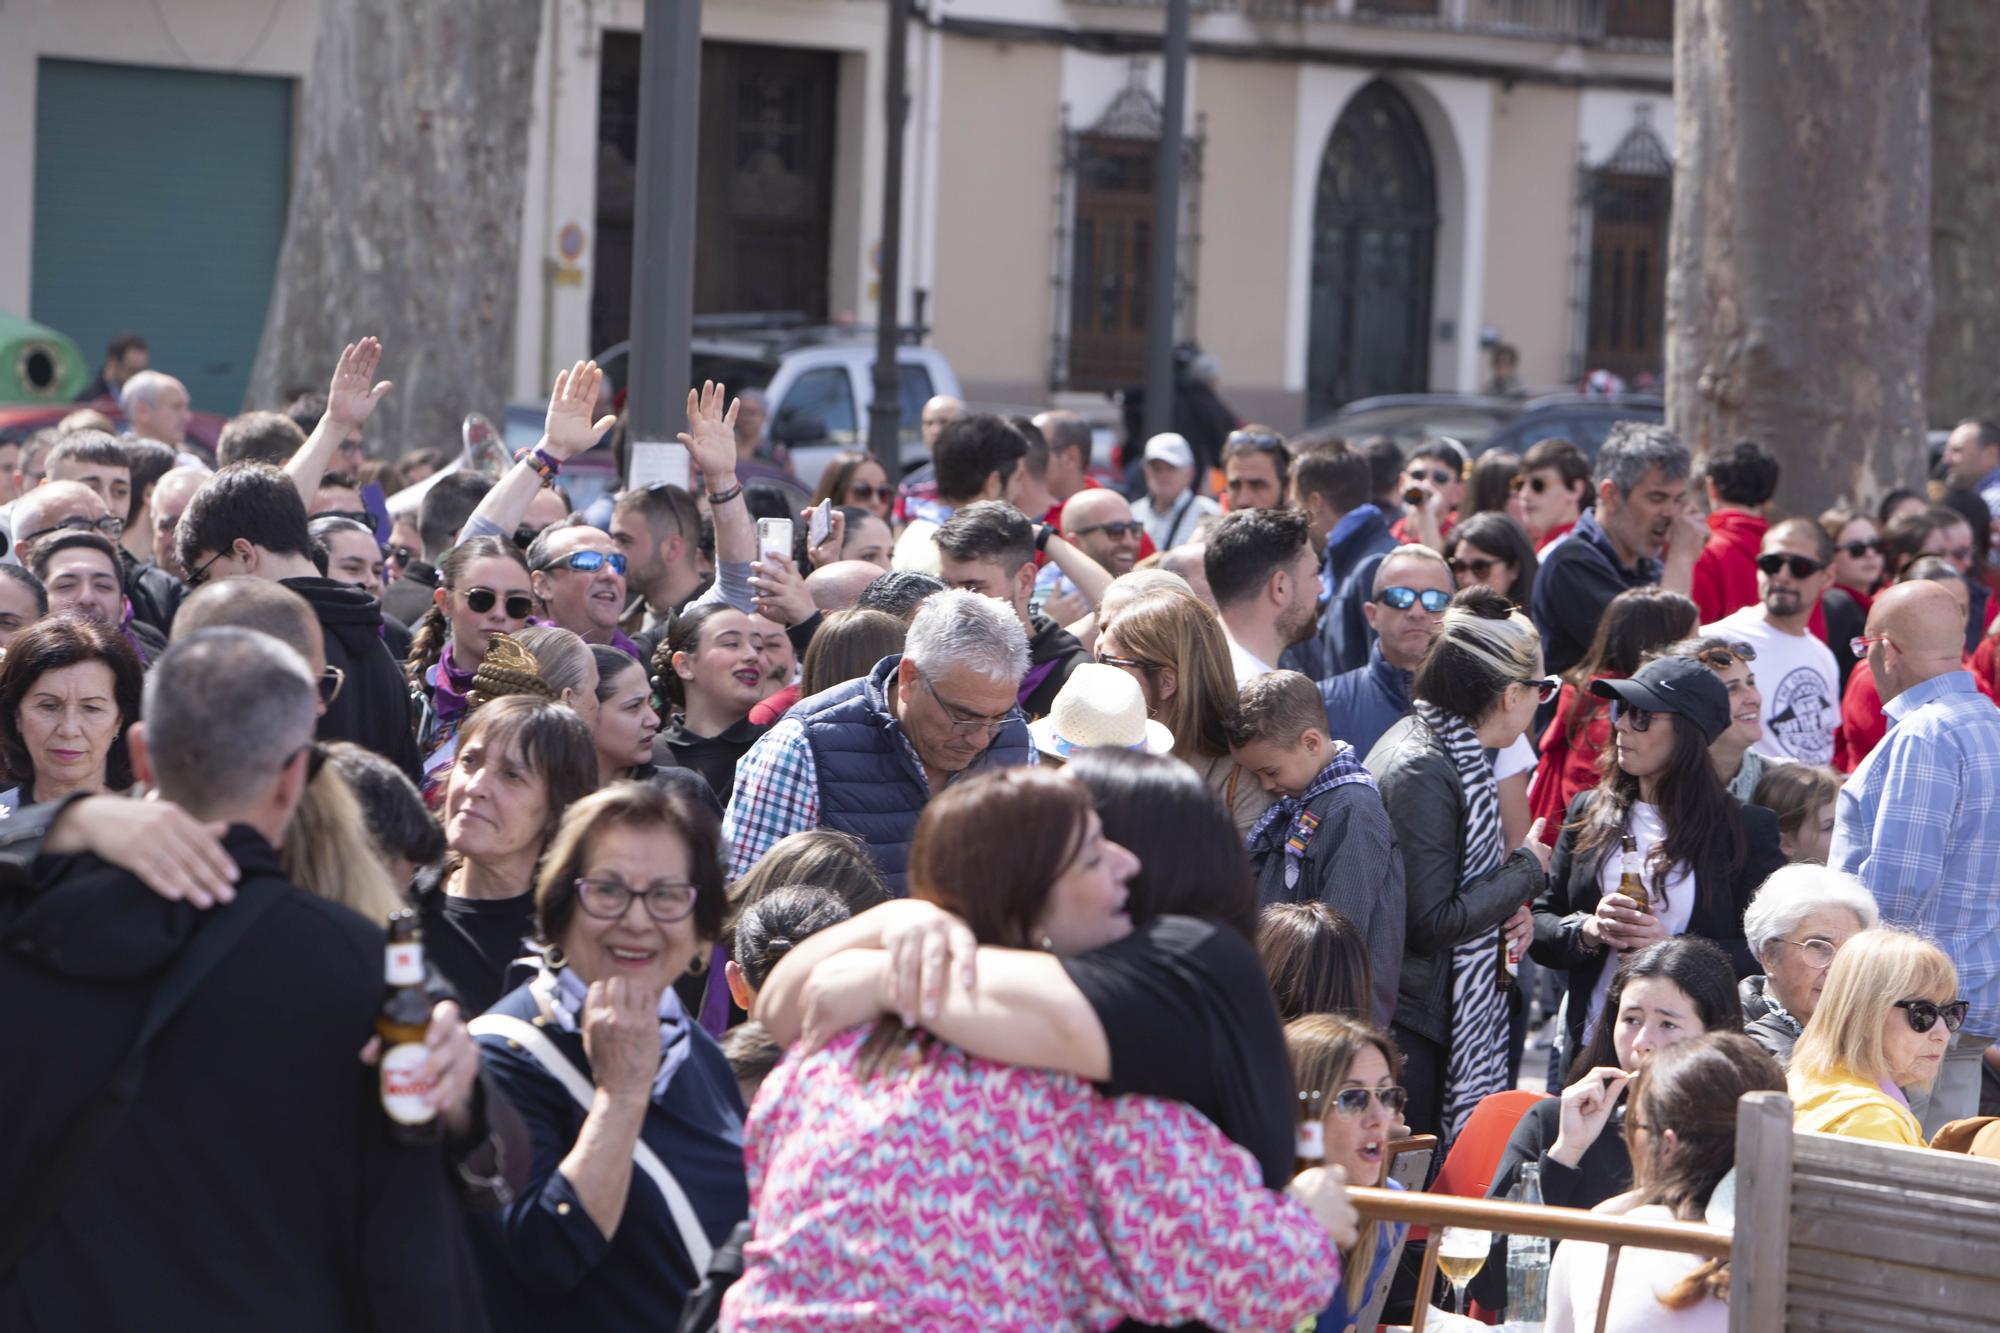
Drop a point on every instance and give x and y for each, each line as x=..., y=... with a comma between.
x=159, y=209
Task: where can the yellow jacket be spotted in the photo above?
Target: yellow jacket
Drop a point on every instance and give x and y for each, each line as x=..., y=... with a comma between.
x=1848, y=1104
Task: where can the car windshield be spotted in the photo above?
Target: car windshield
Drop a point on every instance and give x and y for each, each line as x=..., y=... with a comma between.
x=734, y=373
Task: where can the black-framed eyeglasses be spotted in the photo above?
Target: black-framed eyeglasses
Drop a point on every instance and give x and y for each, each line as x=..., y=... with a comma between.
x=968, y=725
x=1400, y=598
x=1113, y=530
x=518, y=605
x=1856, y=550
x=1131, y=663
x=330, y=681
x=1801, y=566
x=609, y=899
x=1923, y=1015
x=586, y=562
x=1545, y=687
x=1817, y=952
x=114, y=528
x=1638, y=719
x=199, y=575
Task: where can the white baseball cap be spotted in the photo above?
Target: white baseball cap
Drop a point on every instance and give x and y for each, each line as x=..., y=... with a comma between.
x=1099, y=707
x=1170, y=447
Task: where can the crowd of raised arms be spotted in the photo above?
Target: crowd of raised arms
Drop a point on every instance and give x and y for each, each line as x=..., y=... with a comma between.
x=1026, y=900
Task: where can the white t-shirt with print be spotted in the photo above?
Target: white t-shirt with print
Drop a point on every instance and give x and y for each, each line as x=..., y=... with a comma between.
x=1799, y=681
x=1647, y=831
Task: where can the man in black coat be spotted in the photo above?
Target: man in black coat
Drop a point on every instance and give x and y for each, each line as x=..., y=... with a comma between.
x=252, y=1181
x=248, y=520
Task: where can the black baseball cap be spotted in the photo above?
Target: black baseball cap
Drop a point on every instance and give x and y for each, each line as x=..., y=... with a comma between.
x=1677, y=685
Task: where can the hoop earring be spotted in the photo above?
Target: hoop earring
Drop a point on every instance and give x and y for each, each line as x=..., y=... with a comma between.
x=554, y=957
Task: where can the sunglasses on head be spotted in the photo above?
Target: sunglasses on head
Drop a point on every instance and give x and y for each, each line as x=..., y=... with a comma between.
x=1856, y=550
x=519, y=605
x=1263, y=440
x=1400, y=598
x=1924, y=1014
x=586, y=562
x=1801, y=566
x=1724, y=656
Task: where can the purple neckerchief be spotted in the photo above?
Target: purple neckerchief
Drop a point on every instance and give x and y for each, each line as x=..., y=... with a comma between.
x=1894, y=1093
x=1033, y=680
x=715, y=1000
x=449, y=688
x=1344, y=767
x=618, y=638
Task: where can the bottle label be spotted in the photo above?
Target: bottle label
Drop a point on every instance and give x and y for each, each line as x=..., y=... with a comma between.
x=406, y=1089
x=406, y=964
x=1311, y=1142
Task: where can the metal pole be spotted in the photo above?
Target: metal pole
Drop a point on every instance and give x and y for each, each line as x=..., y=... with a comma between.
x=1164, y=288
x=885, y=411
x=663, y=219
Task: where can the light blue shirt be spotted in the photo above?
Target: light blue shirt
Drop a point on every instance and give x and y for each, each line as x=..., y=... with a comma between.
x=1919, y=822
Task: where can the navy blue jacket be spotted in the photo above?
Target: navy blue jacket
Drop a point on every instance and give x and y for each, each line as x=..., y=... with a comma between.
x=1361, y=705
x=545, y=1262
x=871, y=783
x=1577, y=580
x=1359, y=539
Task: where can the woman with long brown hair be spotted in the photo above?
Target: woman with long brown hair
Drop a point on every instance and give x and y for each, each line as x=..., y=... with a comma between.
x=854, y=477
x=483, y=592
x=1680, y=1130
x=1173, y=645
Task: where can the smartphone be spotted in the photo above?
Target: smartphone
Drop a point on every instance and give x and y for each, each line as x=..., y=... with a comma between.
x=774, y=537
x=820, y=523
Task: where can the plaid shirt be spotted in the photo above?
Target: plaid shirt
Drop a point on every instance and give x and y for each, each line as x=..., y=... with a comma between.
x=1919, y=822
x=776, y=795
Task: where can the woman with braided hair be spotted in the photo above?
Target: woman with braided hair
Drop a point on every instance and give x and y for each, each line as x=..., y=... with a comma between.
x=484, y=591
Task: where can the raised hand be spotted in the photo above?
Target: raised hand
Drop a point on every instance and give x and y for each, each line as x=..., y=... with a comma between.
x=568, y=429
x=711, y=434
x=349, y=399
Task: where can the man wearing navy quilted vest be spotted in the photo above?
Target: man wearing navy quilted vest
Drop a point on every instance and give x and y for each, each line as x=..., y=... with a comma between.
x=865, y=756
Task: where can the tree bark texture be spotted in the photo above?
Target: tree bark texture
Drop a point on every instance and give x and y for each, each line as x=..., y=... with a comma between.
x=405, y=212
x=1965, y=210
x=1799, y=292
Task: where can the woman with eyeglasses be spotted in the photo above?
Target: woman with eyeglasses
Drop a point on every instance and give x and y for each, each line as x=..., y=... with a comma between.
x=1491, y=548
x=709, y=674
x=522, y=761
x=1857, y=576
x=1638, y=623
x=483, y=591
x=69, y=691
x=1476, y=690
x=635, y=1120
x=1740, y=766
x=1660, y=824
x=854, y=477
x=1349, y=1112
x=1882, y=1026
x=1799, y=919
x=1663, y=995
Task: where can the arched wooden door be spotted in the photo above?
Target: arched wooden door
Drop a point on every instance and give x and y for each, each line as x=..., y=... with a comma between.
x=1374, y=231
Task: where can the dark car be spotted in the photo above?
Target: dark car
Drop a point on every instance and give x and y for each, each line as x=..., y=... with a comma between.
x=1582, y=419
x=1409, y=417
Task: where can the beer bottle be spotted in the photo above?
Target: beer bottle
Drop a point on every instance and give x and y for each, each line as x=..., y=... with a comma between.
x=1630, y=882
x=1503, y=977
x=405, y=1016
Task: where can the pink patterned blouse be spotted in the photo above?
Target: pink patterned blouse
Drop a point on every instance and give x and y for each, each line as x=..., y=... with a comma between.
x=949, y=1192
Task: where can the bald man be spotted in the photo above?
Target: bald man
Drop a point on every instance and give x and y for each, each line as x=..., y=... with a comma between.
x=838, y=586
x=157, y=406
x=50, y=506
x=1100, y=521
x=940, y=412
x=1919, y=821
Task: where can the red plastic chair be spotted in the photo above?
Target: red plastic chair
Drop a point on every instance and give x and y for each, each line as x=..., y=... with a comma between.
x=1468, y=1168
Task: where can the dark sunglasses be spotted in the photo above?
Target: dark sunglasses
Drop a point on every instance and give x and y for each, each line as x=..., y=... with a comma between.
x=1436, y=476
x=403, y=554
x=1724, y=656
x=1802, y=567
x=1518, y=483
x=1545, y=687
x=330, y=681
x=519, y=605
x=1352, y=1102
x=1400, y=598
x=587, y=562
x=1924, y=1014
x=1856, y=550
x=1477, y=568
x=1114, y=530
x=524, y=537
x=862, y=491
x=1639, y=719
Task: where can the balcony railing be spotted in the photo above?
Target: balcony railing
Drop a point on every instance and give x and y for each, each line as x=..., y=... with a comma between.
x=1635, y=23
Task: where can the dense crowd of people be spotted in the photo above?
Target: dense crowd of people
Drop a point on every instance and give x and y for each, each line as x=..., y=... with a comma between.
x=1018, y=904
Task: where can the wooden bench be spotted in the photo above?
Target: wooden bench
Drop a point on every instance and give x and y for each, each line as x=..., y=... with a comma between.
x=1831, y=1234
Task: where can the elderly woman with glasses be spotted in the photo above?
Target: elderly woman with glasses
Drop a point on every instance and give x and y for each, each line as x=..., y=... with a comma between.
x=1882, y=1026
x=635, y=1121
x=1796, y=923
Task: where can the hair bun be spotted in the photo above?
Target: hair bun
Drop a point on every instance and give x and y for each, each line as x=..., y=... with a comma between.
x=1483, y=602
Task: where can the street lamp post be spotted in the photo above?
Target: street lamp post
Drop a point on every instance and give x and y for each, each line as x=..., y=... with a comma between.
x=1165, y=282
x=885, y=412
x=663, y=218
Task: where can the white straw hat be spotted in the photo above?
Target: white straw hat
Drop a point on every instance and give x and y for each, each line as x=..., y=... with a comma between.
x=1099, y=707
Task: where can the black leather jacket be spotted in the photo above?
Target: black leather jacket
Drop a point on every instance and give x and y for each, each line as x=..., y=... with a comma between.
x=1426, y=805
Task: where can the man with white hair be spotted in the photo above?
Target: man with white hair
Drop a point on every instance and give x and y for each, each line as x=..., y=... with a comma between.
x=157, y=406
x=864, y=758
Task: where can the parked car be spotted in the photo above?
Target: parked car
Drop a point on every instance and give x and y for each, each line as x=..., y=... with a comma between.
x=1409, y=417
x=819, y=381
x=1582, y=419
